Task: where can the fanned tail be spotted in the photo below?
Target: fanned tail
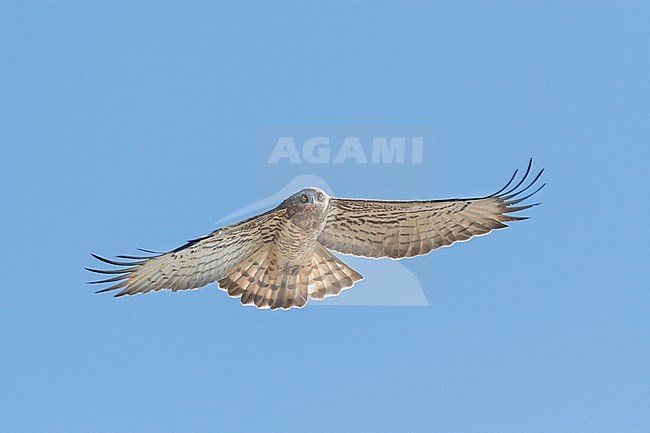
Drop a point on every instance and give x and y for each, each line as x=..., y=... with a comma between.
x=259, y=280
x=262, y=281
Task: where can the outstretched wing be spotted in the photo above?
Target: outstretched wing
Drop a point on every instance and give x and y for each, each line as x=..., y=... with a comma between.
x=195, y=264
x=397, y=229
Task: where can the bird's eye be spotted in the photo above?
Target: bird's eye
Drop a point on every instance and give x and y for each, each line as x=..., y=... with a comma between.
x=303, y=198
x=320, y=196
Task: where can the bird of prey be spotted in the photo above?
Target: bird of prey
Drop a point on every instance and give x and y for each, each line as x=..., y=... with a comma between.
x=281, y=258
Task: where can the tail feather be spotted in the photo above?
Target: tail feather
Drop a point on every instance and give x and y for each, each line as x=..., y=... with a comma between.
x=261, y=281
x=293, y=288
x=243, y=278
x=329, y=275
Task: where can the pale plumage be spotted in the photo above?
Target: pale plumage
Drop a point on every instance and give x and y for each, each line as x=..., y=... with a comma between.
x=280, y=259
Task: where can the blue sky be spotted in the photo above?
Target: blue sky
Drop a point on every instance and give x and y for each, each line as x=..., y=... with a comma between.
x=138, y=125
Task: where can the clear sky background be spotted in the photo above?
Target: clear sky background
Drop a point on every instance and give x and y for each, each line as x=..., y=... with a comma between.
x=136, y=125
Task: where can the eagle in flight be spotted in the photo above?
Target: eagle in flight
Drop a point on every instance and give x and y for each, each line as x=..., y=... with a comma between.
x=281, y=258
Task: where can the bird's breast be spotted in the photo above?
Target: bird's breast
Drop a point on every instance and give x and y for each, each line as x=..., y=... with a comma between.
x=296, y=242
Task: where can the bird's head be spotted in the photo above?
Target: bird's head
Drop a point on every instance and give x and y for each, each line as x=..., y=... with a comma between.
x=307, y=201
